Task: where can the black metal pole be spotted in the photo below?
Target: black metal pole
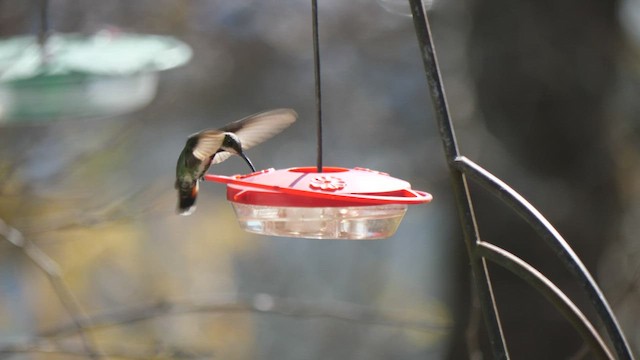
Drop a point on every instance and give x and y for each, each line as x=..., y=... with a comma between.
x=559, y=245
x=478, y=250
x=561, y=302
x=459, y=182
x=316, y=63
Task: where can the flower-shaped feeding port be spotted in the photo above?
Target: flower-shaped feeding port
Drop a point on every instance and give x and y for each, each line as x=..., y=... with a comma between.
x=338, y=203
x=328, y=183
x=77, y=76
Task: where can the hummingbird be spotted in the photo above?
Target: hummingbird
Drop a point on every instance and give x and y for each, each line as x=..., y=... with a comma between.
x=213, y=146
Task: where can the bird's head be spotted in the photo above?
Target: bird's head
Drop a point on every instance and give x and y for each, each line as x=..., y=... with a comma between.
x=231, y=143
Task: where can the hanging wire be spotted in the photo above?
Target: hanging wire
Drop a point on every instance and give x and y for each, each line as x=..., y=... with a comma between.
x=43, y=31
x=316, y=61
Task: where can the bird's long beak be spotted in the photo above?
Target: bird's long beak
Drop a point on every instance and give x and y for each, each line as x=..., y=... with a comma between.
x=248, y=161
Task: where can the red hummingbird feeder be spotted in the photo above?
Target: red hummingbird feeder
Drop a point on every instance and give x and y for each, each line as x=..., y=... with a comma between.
x=320, y=202
x=337, y=203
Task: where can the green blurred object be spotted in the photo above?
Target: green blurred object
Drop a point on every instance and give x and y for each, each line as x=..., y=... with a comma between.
x=76, y=76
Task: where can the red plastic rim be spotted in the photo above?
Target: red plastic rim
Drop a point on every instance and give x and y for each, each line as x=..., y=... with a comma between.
x=313, y=169
x=305, y=187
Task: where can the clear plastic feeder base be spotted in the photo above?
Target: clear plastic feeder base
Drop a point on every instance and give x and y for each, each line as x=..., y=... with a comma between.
x=337, y=203
x=353, y=223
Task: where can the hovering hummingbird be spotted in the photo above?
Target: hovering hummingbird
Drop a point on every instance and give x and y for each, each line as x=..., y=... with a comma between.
x=214, y=146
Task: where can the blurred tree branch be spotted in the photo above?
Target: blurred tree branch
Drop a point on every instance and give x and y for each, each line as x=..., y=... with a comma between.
x=53, y=273
x=114, y=138
x=260, y=303
x=45, y=346
x=127, y=207
x=81, y=324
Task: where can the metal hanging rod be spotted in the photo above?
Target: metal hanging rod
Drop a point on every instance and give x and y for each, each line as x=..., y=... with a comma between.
x=479, y=251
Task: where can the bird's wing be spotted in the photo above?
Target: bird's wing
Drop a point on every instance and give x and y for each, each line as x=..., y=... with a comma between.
x=208, y=142
x=257, y=128
x=220, y=157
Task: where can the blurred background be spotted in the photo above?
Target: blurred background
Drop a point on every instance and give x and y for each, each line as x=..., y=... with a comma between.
x=543, y=94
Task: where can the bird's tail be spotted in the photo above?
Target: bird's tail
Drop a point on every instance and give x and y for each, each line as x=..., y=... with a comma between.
x=187, y=199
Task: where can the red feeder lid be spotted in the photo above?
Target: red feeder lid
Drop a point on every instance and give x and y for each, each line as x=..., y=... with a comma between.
x=333, y=187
